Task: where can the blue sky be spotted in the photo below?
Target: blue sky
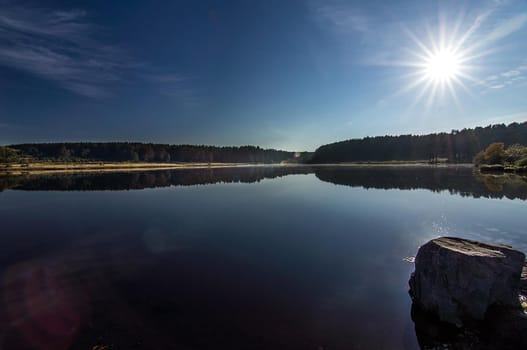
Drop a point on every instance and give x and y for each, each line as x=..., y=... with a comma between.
x=282, y=74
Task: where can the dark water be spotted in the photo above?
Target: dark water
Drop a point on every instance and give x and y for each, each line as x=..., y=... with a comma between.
x=246, y=258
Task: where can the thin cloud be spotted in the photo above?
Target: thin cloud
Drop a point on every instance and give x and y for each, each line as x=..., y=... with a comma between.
x=511, y=73
x=173, y=85
x=60, y=46
x=343, y=18
x=507, y=27
x=509, y=78
x=478, y=22
x=523, y=66
x=378, y=40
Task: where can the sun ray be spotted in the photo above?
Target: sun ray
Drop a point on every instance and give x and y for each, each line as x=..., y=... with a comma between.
x=417, y=82
x=464, y=87
x=431, y=97
x=444, y=59
x=453, y=93
x=419, y=43
x=420, y=95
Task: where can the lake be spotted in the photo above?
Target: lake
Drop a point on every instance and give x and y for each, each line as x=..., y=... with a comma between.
x=234, y=258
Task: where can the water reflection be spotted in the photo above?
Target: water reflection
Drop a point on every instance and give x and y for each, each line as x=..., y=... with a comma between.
x=464, y=181
x=146, y=179
x=289, y=263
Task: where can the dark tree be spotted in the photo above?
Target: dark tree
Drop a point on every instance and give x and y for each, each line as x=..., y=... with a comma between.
x=149, y=152
x=456, y=146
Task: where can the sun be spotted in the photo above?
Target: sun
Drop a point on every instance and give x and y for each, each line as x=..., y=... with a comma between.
x=442, y=61
x=442, y=66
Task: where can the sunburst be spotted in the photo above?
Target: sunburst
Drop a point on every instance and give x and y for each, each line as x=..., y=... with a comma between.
x=442, y=62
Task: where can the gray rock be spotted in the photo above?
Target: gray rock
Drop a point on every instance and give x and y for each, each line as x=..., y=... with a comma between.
x=459, y=279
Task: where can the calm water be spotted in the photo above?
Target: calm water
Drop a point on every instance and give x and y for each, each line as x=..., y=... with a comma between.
x=248, y=258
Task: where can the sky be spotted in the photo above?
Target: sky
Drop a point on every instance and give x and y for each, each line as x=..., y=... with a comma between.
x=280, y=74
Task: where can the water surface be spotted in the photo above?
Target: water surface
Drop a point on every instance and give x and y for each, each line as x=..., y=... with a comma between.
x=246, y=258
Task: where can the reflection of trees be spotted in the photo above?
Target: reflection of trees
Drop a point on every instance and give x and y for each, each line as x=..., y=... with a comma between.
x=146, y=179
x=506, y=184
x=493, y=183
x=462, y=181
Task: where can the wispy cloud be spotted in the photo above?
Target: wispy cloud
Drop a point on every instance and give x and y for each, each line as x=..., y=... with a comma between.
x=511, y=77
x=343, y=18
x=60, y=46
x=511, y=73
x=507, y=27
x=379, y=39
x=173, y=85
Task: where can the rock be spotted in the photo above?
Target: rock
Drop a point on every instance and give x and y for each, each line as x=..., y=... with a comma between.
x=458, y=279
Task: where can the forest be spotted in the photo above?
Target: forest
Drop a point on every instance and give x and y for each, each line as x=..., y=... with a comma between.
x=458, y=146
x=142, y=152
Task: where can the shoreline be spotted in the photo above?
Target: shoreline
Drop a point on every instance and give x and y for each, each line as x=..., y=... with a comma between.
x=102, y=167
x=397, y=164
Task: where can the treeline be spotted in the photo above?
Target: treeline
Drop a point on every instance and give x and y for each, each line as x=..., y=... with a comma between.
x=458, y=146
x=149, y=152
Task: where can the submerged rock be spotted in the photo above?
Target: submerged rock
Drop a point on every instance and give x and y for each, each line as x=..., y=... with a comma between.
x=459, y=280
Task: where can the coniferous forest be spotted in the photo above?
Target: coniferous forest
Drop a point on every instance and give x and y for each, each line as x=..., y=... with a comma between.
x=143, y=152
x=458, y=146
